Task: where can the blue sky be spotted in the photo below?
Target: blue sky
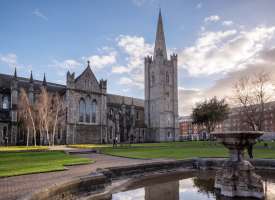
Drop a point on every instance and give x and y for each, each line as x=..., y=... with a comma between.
x=216, y=41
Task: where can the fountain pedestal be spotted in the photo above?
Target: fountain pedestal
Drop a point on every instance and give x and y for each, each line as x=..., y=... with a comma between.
x=237, y=177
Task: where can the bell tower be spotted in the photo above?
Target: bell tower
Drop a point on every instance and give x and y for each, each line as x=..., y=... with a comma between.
x=161, y=91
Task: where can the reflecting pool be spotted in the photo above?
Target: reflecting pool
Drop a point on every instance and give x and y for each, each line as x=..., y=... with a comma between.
x=198, y=186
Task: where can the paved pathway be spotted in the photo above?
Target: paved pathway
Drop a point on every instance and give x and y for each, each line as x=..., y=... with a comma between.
x=17, y=186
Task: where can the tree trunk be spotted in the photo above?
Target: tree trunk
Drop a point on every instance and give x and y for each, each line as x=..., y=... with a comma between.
x=55, y=123
x=28, y=133
x=48, y=137
x=33, y=125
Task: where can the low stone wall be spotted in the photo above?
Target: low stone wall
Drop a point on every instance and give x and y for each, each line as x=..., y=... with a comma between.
x=216, y=163
x=84, y=186
x=126, y=171
x=71, y=189
x=263, y=164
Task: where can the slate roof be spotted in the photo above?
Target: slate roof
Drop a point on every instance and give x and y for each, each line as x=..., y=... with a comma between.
x=6, y=80
x=117, y=99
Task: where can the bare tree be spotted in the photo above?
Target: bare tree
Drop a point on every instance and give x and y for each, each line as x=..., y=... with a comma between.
x=50, y=109
x=250, y=94
x=43, y=108
x=56, y=113
x=26, y=114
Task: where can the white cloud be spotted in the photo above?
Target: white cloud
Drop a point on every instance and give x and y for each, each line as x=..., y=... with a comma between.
x=224, y=51
x=135, y=49
x=187, y=100
x=125, y=81
x=212, y=18
x=68, y=64
x=130, y=82
x=38, y=13
x=140, y=3
x=223, y=88
x=100, y=61
x=227, y=23
x=120, y=69
x=10, y=59
x=199, y=5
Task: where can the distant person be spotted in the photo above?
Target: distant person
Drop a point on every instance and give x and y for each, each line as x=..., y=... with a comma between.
x=250, y=150
x=6, y=141
x=131, y=139
x=115, y=142
x=116, y=139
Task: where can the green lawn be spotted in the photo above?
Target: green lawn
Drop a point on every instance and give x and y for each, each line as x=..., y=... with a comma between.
x=19, y=163
x=177, y=150
x=22, y=148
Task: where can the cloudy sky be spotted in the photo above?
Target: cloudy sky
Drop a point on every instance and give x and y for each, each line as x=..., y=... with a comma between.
x=217, y=42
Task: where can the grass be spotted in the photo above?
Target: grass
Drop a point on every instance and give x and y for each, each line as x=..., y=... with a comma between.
x=22, y=148
x=19, y=163
x=178, y=150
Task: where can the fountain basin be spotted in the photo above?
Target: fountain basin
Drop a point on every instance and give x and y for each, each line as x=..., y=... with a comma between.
x=237, y=177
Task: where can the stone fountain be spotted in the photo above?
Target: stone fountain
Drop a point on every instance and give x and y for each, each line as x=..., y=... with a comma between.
x=237, y=177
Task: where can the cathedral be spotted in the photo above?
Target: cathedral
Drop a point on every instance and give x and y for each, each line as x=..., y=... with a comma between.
x=94, y=116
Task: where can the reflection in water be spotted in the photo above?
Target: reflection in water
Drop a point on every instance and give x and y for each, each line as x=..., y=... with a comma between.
x=138, y=194
x=197, y=188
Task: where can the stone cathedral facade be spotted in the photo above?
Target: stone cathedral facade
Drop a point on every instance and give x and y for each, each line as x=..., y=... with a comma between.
x=94, y=116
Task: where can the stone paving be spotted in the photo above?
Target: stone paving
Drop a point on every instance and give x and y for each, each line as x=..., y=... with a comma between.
x=18, y=186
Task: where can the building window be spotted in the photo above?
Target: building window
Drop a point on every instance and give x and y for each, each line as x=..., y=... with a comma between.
x=88, y=110
x=137, y=115
x=167, y=77
x=6, y=103
x=111, y=112
x=94, y=104
x=153, y=79
x=169, y=134
x=82, y=110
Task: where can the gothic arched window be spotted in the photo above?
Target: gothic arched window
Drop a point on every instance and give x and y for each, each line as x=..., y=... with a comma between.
x=82, y=110
x=167, y=77
x=6, y=103
x=153, y=79
x=88, y=109
x=94, y=104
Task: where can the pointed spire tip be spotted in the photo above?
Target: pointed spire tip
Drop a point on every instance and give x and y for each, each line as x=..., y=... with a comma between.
x=160, y=46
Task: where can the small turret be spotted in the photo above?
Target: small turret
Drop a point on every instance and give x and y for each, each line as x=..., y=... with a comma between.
x=31, y=90
x=15, y=74
x=14, y=102
x=31, y=78
x=148, y=59
x=103, y=85
x=14, y=84
x=70, y=79
x=44, y=83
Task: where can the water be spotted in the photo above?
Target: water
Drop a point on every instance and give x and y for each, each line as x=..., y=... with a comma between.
x=195, y=187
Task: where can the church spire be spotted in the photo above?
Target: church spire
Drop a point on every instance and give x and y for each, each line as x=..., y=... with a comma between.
x=160, y=46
